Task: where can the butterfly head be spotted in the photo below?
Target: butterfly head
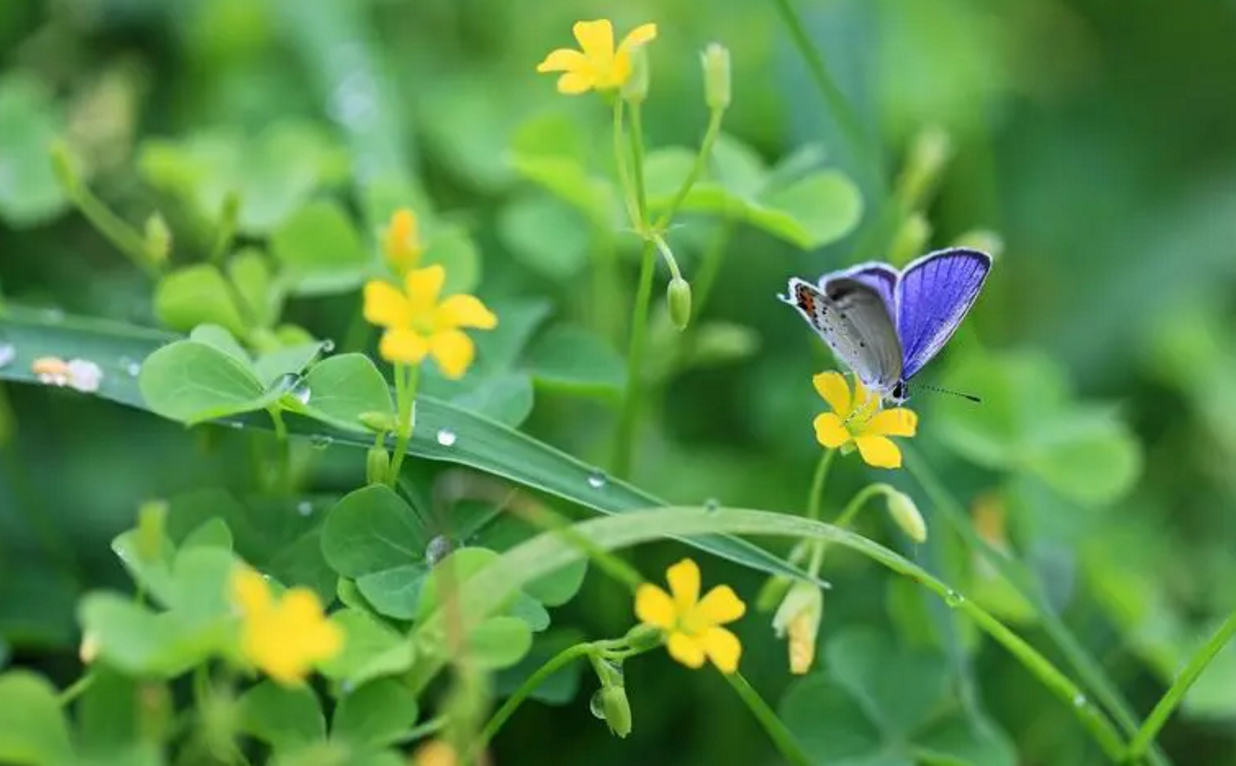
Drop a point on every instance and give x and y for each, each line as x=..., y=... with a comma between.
x=900, y=394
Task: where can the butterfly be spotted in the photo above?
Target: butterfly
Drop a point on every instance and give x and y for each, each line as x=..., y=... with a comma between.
x=885, y=324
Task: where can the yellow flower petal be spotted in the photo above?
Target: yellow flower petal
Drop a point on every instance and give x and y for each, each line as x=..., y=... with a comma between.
x=653, y=606
x=638, y=36
x=401, y=244
x=284, y=639
x=596, y=39
x=684, y=582
x=879, y=451
x=312, y=636
x=685, y=649
x=403, y=345
x=723, y=648
x=464, y=311
x=830, y=431
x=385, y=306
x=719, y=606
x=453, y=350
x=563, y=60
x=423, y=287
x=834, y=390
x=574, y=83
x=863, y=405
x=250, y=591
x=895, y=422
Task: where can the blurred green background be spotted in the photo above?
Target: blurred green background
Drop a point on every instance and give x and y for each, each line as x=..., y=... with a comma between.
x=1096, y=139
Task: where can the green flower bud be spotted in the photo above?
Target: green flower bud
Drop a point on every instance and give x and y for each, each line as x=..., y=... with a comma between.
x=678, y=295
x=905, y=514
x=151, y=522
x=910, y=240
x=774, y=590
x=929, y=153
x=158, y=238
x=378, y=422
x=716, y=61
x=635, y=89
x=644, y=637
x=617, y=710
x=377, y=465
x=799, y=615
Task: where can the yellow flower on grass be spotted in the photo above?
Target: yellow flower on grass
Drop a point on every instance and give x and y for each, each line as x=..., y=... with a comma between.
x=692, y=624
x=597, y=65
x=283, y=638
x=418, y=323
x=401, y=242
x=857, y=419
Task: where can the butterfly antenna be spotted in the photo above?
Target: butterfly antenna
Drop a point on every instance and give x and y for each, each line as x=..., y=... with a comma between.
x=938, y=390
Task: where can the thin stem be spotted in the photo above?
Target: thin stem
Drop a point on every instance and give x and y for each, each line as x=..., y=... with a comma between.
x=1092, y=675
x=76, y=689
x=556, y=663
x=701, y=161
x=833, y=97
x=816, y=495
x=1176, y=693
x=432, y=726
x=406, y=378
x=667, y=255
x=115, y=229
x=780, y=736
x=283, y=458
x=629, y=414
x=637, y=167
x=624, y=168
x=843, y=520
x=609, y=563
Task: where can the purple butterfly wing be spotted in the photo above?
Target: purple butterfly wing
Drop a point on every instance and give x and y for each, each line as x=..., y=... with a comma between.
x=878, y=276
x=934, y=294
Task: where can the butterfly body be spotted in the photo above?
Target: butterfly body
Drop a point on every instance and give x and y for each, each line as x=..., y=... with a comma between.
x=885, y=324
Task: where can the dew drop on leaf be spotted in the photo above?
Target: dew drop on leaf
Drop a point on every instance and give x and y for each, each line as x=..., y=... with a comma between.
x=300, y=391
x=320, y=441
x=7, y=352
x=1079, y=701
x=712, y=505
x=328, y=346
x=596, y=706
x=304, y=508
x=597, y=480
x=446, y=437
x=438, y=549
x=953, y=598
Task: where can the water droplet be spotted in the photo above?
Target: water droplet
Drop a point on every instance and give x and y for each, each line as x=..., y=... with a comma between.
x=953, y=598
x=446, y=437
x=320, y=441
x=236, y=424
x=1079, y=700
x=53, y=314
x=596, y=705
x=328, y=346
x=131, y=366
x=300, y=391
x=597, y=480
x=7, y=353
x=712, y=505
x=304, y=508
x=347, y=687
x=438, y=549
x=285, y=382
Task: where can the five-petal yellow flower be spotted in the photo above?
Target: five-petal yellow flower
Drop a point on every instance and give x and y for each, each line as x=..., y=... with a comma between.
x=418, y=323
x=401, y=242
x=692, y=624
x=597, y=65
x=858, y=419
x=284, y=638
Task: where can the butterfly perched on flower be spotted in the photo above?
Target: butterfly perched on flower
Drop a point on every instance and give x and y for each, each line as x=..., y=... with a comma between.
x=885, y=324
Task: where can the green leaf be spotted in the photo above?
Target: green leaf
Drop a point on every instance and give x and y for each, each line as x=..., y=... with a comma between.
x=571, y=359
x=342, y=388
x=290, y=360
x=251, y=276
x=824, y=206
x=375, y=715
x=374, y=536
x=194, y=295
x=222, y=339
x=451, y=247
x=553, y=589
x=211, y=534
x=498, y=349
x=546, y=236
x=1091, y=458
x=463, y=563
x=29, y=122
x=499, y=642
x=561, y=687
x=192, y=382
x=32, y=728
x=284, y=717
x=738, y=167
x=505, y=399
x=303, y=563
x=371, y=649
x=138, y=641
x=320, y=250
x=570, y=181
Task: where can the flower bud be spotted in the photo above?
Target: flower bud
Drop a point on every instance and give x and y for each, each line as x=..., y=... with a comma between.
x=378, y=422
x=151, y=521
x=678, y=295
x=716, y=61
x=89, y=649
x=158, y=238
x=929, y=153
x=635, y=89
x=774, y=590
x=377, y=465
x=910, y=240
x=644, y=637
x=401, y=242
x=617, y=709
x=905, y=513
x=799, y=615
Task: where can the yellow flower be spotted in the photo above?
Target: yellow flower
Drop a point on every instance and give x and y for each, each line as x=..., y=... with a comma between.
x=799, y=615
x=435, y=752
x=284, y=638
x=401, y=242
x=693, y=623
x=858, y=419
x=597, y=66
x=417, y=323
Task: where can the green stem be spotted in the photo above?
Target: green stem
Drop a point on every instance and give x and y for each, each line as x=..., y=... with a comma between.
x=629, y=414
x=432, y=726
x=624, y=167
x=227, y=227
x=115, y=229
x=816, y=495
x=76, y=689
x=1176, y=693
x=612, y=565
x=284, y=458
x=406, y=379
x=637, y=168
x=833, y=97
x=780, y=736
x=1092, y=675
x=556, y=663
x=701, y=161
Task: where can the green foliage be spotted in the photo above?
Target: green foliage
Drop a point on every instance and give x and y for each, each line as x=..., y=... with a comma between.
x=29, y=121
x=32, y=729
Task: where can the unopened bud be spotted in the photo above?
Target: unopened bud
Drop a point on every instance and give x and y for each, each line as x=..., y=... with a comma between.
x=635, y=89
x=377, y=465
x=903, y=510
x=644, y=637
x=910, y=240
x=617, y=710
x=151, y=521
x=799, y=615
x=89, y=649
x=378, y=422
x=716, y=61
x=158, y=238
x=678, y=295
x=929, y=153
